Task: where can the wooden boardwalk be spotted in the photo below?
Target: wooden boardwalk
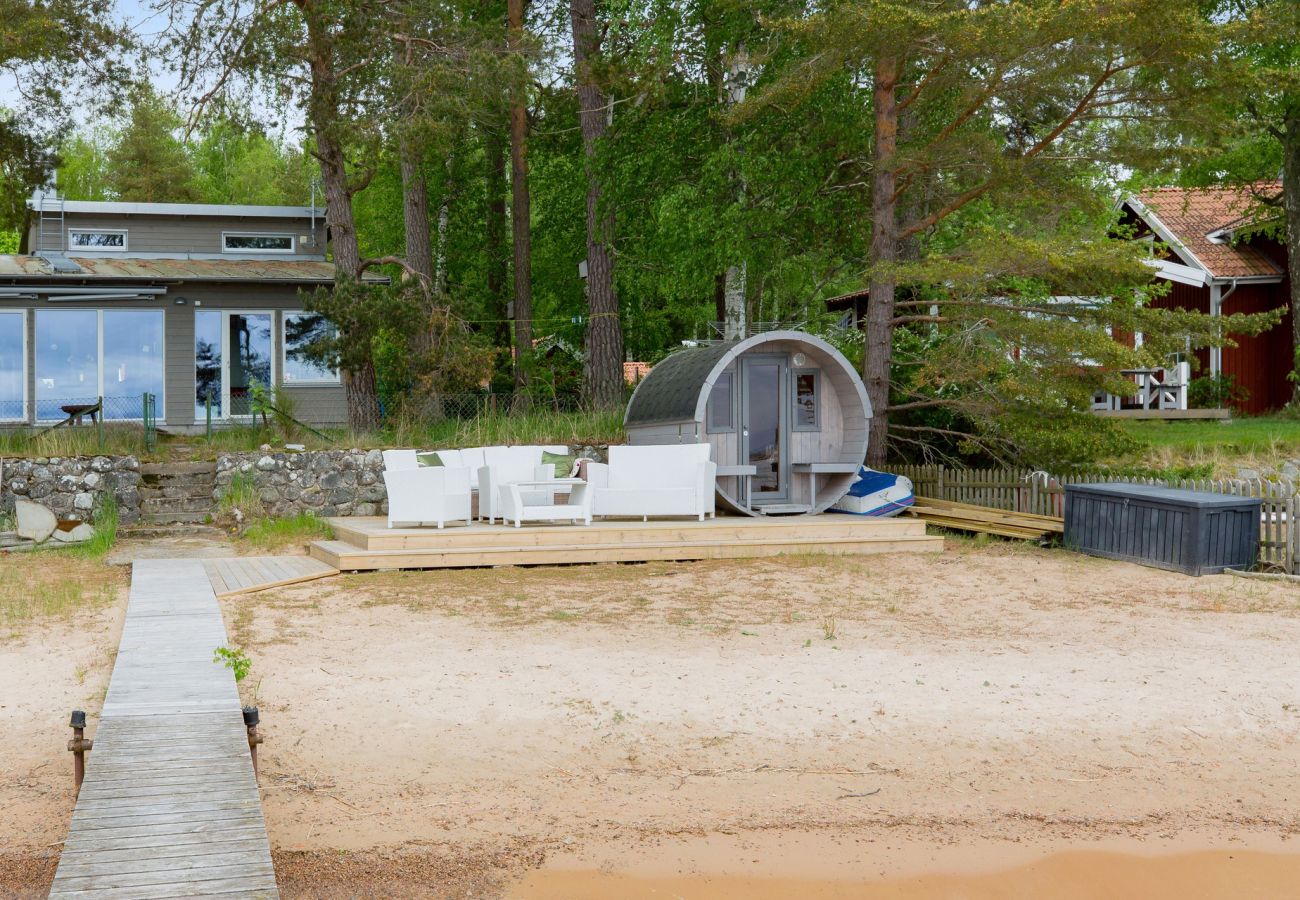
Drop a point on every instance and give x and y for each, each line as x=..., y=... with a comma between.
x=243, y=574
x=170, y=806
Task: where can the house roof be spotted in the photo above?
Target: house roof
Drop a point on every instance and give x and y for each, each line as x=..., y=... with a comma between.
x=1185, y=218
x=100, y=268
x=219, y=210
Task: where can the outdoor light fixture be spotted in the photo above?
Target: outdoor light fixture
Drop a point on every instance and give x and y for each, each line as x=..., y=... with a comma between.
x=250, y=716
x=78, y=719
x=180, y=301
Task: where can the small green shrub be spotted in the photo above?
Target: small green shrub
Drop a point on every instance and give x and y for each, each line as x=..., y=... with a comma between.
x=275, y=533
x=235, y=660
x=1216, y=391
x=241, y=500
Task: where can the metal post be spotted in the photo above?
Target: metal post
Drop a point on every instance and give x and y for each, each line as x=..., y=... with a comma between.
x=79, y=747
x=99, y=423
x=254, y=738
x=207, y=412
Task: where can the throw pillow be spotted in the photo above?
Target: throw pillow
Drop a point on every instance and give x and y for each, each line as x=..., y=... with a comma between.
x=428, y=459
x=563, y=462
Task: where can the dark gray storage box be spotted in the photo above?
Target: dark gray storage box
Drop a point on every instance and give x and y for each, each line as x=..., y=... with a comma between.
x=1193, y=532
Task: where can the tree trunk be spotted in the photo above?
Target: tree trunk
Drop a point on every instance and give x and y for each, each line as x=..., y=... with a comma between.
x=603, y=384
x=736, y=323
x=415, y=213
x=884, y=253
x=497, y=268
x=520, y=211
x=1291, y=204
x=360, y=386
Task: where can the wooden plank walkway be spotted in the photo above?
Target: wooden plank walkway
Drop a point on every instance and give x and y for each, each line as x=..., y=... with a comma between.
x=170, y=806
x=244, y=574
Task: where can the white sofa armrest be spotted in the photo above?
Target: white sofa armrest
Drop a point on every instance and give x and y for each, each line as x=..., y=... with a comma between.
x=598, y=474
x=705, y=480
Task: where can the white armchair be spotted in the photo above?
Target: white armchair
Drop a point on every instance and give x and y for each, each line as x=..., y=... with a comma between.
x=654, y=480
x=432, y=494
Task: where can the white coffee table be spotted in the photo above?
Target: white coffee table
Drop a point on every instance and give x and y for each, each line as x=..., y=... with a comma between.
x=514, y=509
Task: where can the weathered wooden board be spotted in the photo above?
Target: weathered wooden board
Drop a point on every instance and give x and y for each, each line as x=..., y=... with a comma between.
x=170, y=806
x=243, y=574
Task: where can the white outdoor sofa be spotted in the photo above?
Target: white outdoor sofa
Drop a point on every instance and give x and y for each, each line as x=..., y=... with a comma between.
x=490, y=468
x=428, y=495
x=654, y=480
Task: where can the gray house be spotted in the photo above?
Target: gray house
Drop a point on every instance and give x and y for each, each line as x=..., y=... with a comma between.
x=194, y=303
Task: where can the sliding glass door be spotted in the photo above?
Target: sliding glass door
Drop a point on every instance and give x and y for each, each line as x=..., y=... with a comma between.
x=13, y=366
x=232, y=353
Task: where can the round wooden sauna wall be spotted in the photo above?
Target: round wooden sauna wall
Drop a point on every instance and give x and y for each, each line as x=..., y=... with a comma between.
x=786, y=403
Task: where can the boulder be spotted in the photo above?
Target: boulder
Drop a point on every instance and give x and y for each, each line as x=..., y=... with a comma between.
x=35, y=522
x=82, y=532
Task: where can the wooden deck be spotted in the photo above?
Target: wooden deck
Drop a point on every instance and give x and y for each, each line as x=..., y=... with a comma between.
x=368, y=543
x=245, y=574
x=170, y=806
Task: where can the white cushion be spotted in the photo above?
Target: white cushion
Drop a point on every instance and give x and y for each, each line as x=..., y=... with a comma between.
x=450, y=458
x=399, y=460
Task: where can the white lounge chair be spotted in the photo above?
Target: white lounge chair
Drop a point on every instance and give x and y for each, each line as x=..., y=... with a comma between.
x=427, y=495
x=654, y=480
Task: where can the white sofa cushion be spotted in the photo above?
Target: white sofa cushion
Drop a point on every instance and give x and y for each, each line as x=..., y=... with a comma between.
x=400, y=460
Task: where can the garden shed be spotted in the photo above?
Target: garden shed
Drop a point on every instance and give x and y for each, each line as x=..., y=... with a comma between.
x=785, y=413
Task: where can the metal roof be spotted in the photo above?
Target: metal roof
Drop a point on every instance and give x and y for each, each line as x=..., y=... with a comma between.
x=671, y=391
x=103, y=268
x=210, y=210
x=677, y=389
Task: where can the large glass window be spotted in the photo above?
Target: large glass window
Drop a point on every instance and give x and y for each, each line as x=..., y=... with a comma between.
x=232, y=352
x=133, y=359
x=67, y=360
x=207, y=362
x=300, y=331
x=84, y=354
x=13, y=384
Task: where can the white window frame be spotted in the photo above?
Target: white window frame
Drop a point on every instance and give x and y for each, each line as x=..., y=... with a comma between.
x=226, y=415
x=26, y=365
x=335, y=379
x=293, y=242
x=73, y=245
x=99, y=351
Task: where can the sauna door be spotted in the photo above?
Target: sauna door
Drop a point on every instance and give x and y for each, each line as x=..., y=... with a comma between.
x=764, y=426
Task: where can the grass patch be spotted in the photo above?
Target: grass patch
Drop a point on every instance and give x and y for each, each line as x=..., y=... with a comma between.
x=1213, y=448
x=35, y=585
x=119, y=440
x=274, y=534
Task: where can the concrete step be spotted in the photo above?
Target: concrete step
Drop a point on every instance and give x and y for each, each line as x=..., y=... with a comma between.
x=179, y=468
x=170, y=518
x=177, y=492
x=173, y=504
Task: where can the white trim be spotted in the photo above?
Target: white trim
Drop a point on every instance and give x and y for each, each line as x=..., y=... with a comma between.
x=209, y=210
x=284, y=350
x=1179, y=273
x=73, y=245
x=293, y=242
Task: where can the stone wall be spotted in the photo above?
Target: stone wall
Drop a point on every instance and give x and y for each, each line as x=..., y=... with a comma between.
x=73, y=487
x=324, y=482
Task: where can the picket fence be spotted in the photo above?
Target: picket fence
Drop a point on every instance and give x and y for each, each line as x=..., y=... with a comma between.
x=1033, y=491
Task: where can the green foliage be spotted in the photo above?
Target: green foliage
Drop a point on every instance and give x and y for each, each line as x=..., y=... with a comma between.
x=105, y=522
x=241, y=499
x=278, y=533
x=1216, y=392
x=147, y=162
x=234, y=659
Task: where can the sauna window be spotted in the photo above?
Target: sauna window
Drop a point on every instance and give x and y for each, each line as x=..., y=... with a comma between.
x=720, y=415
x=807, y=400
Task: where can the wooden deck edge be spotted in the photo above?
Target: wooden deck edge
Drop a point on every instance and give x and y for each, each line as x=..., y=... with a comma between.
x=282, y=583
x=362, y=560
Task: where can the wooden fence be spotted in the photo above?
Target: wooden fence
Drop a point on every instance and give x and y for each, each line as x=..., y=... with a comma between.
x=1026, y=490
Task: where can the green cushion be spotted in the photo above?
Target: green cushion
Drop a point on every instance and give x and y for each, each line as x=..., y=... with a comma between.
x=563, y=462
x=428, y=459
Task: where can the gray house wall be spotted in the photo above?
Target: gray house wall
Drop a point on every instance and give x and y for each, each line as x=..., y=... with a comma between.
x=314, y=404
x=185, y=235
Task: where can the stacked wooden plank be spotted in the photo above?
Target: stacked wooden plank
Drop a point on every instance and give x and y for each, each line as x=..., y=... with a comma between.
x=984, y=519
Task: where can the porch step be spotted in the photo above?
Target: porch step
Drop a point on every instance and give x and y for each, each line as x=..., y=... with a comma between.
x=368, y=533
x=621, y=542
x=177, y=491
